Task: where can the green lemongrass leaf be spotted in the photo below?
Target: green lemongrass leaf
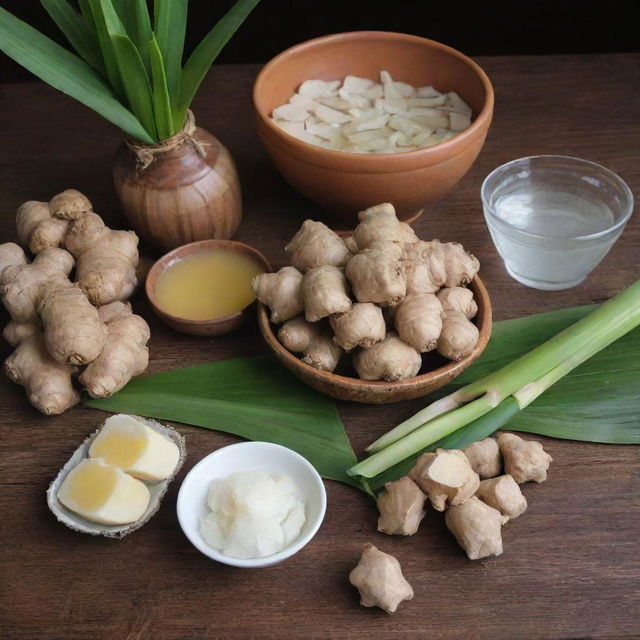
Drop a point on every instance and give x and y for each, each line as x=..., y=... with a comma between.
x=76, y=31
x=134, y=16
x=87, y=16
x=106, y=47
x=65, y=72
x=161, y=101
x=253, y=398
x=170, y=23
x=206, y=52
x=135, y=81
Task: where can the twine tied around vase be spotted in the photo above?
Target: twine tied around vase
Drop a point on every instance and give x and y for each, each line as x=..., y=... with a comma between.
x=146, y=153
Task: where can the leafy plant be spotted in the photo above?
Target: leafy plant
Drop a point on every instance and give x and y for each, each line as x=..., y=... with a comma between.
x=125, y=68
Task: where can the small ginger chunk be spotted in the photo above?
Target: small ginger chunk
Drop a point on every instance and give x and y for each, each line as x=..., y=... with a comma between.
x=378, y=577
x=503, y=493
x=525, y=460
x=484, y=456
x=401, y=507
x=477, y=528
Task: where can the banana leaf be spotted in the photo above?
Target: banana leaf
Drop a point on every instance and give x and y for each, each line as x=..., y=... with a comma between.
x=205, y=53
x=66, y=72
x=254, y=398
x=170, y=23
x=76, y=31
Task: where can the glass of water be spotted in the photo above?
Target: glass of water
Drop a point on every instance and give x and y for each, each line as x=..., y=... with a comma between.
x=554, y=218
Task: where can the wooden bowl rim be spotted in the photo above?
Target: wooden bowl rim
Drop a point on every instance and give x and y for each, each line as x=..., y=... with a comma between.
x=185, y=251
x=371, y=160
x=447, y=372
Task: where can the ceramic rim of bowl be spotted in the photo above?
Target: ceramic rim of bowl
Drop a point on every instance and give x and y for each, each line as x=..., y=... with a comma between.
x=173, y=257
x=372, y=158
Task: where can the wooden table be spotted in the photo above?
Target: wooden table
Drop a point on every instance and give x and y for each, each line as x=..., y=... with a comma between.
x=571, y=566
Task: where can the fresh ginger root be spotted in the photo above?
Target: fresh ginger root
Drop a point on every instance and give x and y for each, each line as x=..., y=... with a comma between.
x=458, y=338
x=418, y=321
x=484, y=456
x=11, y=257
x=37, y=229
x=401, y=507
x=390, y=359
x=423, y=264
x=378, y=577
x=22, y=284
x=47, y=382
x=503, y=493
x=16, y=332
x=297, y=333
x=325, y=292
x=460, y=267
x=315, y=245
x=458, y=299
x=525, y=460
x=70, y=205
x=72, y=328
x=477, y=528
x=380, y=224
x=377, y=275
x=281, y=292
x=446, y=477
x=124, y=355
x=322, y=353
x=361, y=326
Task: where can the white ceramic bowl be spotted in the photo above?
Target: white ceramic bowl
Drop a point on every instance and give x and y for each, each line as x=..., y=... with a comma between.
x=254, y=456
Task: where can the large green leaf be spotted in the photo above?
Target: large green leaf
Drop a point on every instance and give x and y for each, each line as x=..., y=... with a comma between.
x=106, y=47
x=599, y=401
x=161, y=102
x=170, y=23
x=254, y=398
x=135, y=81
x=76, y=31
x=206, y=52
x=65, y=72
x=134, y=15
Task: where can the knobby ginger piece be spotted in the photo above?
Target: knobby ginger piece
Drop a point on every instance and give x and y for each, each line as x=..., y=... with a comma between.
x=390, y=359
x=325, y=292
x=11, y=257
x=380, y=224
x=458, y=299
x=477, y=528
x=378, y=577
x=460, y=266
x=484, y=456
x=503, y=493
x=315, y=245
x=525, y=460
x=69, y=205
x=16, y=332
x=322, y=353
x=137, y=449
x=418, y=321
x=376, y=274
x=401, y=507
x=446, y=477
x=361, y=326
x=458, y=338
x=46, y=381
x=424, y=266
x=297, y=333
x=102, y=493
x=281, y=292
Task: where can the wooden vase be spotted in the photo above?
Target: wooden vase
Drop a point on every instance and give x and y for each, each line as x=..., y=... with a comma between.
x=180, y=190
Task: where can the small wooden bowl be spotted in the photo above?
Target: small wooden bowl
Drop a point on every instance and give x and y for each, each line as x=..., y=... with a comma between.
x=368, y=392
x=217, y=326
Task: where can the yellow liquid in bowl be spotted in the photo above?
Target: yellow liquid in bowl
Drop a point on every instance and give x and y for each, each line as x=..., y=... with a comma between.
x=208, y=285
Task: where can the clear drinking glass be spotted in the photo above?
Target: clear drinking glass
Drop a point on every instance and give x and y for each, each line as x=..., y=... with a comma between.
x=554, y=218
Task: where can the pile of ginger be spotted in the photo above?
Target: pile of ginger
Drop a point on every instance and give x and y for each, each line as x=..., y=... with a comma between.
x=57, y=325
x=478, y=488
x=384, y=295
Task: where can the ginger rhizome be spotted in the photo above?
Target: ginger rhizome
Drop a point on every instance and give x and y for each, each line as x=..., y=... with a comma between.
x=503, y=493
x=401, y=507
x=485, y=458
x=524, y=460
x=379, y=580
x=383, y=277
x=55, y=324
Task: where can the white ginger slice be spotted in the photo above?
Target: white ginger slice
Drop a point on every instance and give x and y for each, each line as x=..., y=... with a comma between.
x=457, y=102
x=295, y=129
x=354, y=99
x=427, y=102
x=335, y=102
x=323, y=130
x=375, y=92
x=394, y=101
x=404, y=89
x=428, y=92
x=327, y=114
x=405, y=125
x=291, y=113
x=459, y=121
x=368, y=120
x=319, y=88
x=302, y=101
x=398, y=139
x=434, y=122
x=355, y=84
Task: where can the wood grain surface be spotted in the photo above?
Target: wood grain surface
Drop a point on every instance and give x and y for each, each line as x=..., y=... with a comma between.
x=571, y=567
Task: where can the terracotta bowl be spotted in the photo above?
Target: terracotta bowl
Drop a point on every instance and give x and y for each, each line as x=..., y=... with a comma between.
x=353, y=389
x=345, y=183
x=215, y=327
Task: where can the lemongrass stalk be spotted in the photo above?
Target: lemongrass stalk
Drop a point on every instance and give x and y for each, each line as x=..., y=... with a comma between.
x=601, y=327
